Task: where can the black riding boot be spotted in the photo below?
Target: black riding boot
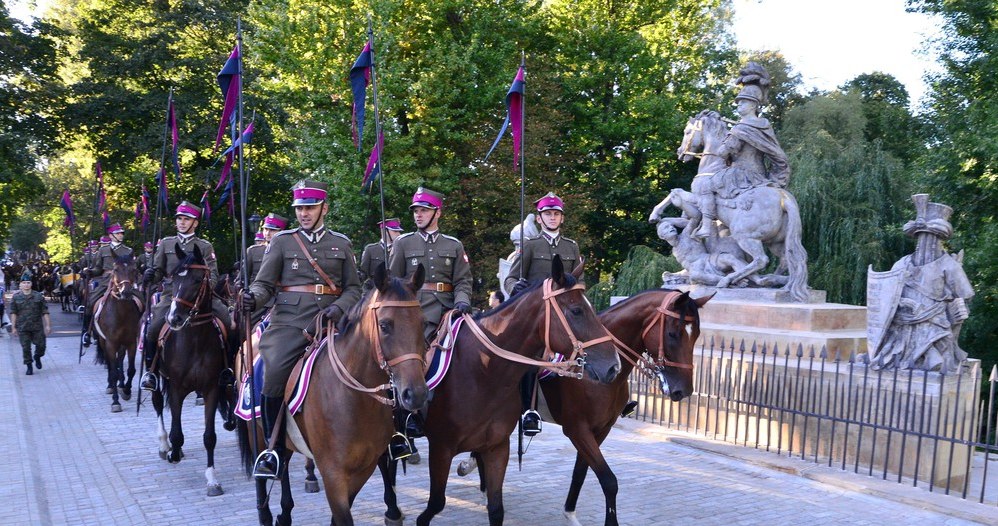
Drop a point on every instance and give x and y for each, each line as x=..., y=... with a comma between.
x=530, y=421
x=87, y=319
x=149, y=381
x=268, y=463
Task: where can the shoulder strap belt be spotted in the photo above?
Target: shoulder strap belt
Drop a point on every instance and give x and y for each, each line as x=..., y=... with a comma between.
x=312, y=262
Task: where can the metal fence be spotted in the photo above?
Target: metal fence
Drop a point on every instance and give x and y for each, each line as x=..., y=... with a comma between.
x=926, y=429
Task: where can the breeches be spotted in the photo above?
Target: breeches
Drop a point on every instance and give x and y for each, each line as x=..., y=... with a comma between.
x=27, y=339
x=280, y=346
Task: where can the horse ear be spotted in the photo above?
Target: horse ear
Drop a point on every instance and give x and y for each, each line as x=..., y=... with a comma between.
x=380, y=277
x=703, y=301
x=198, y=256
x=558, y=271
x=580, y=268
x=417, y=278
x=181, y=255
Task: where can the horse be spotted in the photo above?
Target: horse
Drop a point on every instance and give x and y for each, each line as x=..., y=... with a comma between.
x=758, y=218
x=344, y=423
x=192, y=356
x=117, y=327
x=477, y=404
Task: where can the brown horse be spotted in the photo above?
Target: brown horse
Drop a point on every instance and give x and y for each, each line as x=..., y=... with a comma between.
x=192, y=356
x=117, y=328
x=376, y=360
x=477, y=405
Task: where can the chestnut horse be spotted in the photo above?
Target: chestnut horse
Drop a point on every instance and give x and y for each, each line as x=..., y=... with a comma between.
x=477, y=404
x=192, y=356
x=376, y=360
x=117, y=328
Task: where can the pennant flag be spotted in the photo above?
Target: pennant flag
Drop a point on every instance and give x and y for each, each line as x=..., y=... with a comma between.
x=171, y=119
x=101, y=195
x=360, y=77
x=373, y=169
x=107, y=220
x=164, y=197
x=228, y=81
x=138, y=210
x=227, y=196
x=205, y=209
x=145, y=207
x=67, y=204
x=230, y=154
x=514, y=114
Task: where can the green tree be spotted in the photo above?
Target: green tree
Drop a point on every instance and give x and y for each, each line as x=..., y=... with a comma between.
x=27, y=235
x=888, y=119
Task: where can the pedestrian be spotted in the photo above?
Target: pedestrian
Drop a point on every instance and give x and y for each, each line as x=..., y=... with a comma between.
x=30, y=315
x=310, y=271
x=4, y=324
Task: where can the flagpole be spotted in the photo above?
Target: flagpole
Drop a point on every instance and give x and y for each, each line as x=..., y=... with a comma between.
x=377, y=137
x=523, y=170
x=162, y=167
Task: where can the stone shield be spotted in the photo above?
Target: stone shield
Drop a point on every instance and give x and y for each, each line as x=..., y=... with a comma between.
x=883, y=292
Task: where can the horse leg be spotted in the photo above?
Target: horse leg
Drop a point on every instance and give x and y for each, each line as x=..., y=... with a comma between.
x=176, y=431
x=389, y=470
x=112, y=384
x=589, y=455
x=579, y=473
x=440, y=461
x=754, y=248
x=494, y=464
x=126, y=390
x=311, y=481
x=210, y=439
x=287, y=501
x=164, y=443
x=263, y=503
x=337, y=491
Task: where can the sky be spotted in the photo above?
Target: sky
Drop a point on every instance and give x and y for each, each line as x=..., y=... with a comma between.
x=832, y=42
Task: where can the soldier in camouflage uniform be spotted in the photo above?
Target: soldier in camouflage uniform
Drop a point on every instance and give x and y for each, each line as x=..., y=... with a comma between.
x=164, y=262
x=376, y=253
x=448, y=272
x=534, y=263
x=272, y=224
x=100, y=273
x=301, y=293
x=30, y=316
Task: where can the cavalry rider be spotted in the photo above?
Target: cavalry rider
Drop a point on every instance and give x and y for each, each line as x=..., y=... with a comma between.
x=534, y=264
x=376, y=253
x=145, y=259
x=272, y=224
x=309, y=271
x=746, y=149
x=164, y=262
x=100, y=273
x=448, y=272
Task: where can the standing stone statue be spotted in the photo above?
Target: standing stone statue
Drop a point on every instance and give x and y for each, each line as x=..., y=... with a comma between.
x=741, y=184
x=916, y=309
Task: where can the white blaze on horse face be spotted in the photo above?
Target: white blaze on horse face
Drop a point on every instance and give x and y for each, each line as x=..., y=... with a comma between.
x=689, y=329
x=171, y=315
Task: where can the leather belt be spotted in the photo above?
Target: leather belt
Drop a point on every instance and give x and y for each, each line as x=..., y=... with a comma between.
x=438, y=287
x=317, y=289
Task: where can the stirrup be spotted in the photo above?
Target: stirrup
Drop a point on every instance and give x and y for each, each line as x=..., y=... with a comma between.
x=399, y=447
x=629, y=408
x=149, y=382
x=530, y=423
x=268, y=463
x=227, y=377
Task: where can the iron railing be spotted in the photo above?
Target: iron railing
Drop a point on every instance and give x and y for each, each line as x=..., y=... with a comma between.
x=928, y=429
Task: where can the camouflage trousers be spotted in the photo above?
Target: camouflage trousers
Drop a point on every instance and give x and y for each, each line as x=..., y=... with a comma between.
x=27, y=339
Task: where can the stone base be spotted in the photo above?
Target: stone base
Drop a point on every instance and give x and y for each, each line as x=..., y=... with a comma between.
x=748, y=294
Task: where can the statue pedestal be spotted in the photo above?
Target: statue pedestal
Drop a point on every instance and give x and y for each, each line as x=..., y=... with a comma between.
x=764, y=316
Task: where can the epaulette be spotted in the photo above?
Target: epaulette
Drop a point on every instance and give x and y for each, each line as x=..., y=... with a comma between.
x=563, y=238
x=452, y=238
x=335, y=233
x=283, y=232
x=531, y=238
x=403, y=236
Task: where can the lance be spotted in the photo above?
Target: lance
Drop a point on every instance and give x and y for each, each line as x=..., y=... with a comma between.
x=378, y=146
x=86, y=281
x=523, y=169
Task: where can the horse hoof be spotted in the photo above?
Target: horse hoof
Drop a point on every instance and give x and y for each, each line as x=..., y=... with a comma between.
x=395, y=522
x=108, y=391
x=126, y=395
x=115, y=408
x=162, y=455
x=311, y=486
x=229, y=425
x=283, y=520
x=215, y=490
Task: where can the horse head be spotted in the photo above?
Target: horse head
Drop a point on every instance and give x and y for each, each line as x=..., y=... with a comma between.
x=390, y=318
x=670, y=338
x=191, y=288
x=124, y=277
x=574, y=330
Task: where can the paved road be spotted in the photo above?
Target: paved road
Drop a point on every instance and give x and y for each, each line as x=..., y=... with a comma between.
x=68, y=460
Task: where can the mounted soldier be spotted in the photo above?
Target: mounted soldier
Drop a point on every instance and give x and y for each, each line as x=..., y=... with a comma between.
x=377, y=253
x=310, y=272
x=99, y=272
x=272, y=224
x=165, y=261
x=145, y=259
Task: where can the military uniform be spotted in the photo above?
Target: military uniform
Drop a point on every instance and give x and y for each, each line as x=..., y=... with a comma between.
x=254, y=259
x=30, y=309
x=101, y=267
x=373, y=255
x=300, y=293
x=145, y=260
x=537, y=255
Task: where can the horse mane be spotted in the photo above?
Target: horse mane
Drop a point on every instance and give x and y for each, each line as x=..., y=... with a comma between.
x=127, y=259
x=570, y=281
x=352, y=317
x=689, y=309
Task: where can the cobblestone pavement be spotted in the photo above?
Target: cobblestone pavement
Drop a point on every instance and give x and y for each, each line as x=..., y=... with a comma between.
x=69, y=460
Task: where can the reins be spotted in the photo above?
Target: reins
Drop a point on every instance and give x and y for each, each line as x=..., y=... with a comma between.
x=343, y=374
x=194, y=316
x=661, y=312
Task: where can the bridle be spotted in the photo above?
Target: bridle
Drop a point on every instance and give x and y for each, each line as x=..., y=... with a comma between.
x=664, y=310
x=194, y=316
x=697, y=129
x=578, y=356
x=377, y=352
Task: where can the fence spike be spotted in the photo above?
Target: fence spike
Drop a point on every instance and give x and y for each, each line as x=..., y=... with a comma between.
x=865, y=358
x=741, y=346
x=824, y=353
x=994, y=374
x=754, y=345
x=810, y=351
x=765, y=347
x=800, y=350
x=852, y=356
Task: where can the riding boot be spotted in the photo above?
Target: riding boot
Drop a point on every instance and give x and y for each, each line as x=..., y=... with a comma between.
x=149, y=381
x=87, y=319
x=268, y=463
x=708, y=211
x=530, y=421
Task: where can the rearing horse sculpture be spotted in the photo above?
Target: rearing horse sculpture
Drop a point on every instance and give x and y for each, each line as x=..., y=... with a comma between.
x=758, y=218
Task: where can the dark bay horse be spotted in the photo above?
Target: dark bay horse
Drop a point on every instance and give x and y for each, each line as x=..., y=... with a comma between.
x=117, y=328
x=375, y=361
x=477, y=404
x=192, y=356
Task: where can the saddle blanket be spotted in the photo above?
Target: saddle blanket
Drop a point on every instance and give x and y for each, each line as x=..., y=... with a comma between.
x=249, y=405
x=442, y=355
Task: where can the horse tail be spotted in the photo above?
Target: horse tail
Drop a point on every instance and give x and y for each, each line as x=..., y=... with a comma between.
x=245, y=446
x=794, y=253
x=99, y=358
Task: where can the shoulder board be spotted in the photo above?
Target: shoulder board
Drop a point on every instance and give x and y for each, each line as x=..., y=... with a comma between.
x=372, y=245
x=337, y=234
x=283, y=232
x=572, y=241
x=531, y=238
x=403, y=236
x=452, y=238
